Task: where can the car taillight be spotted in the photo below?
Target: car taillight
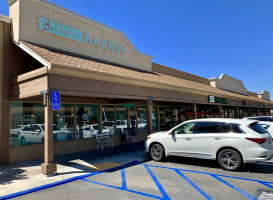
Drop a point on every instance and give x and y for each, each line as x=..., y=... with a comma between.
x=257, y=140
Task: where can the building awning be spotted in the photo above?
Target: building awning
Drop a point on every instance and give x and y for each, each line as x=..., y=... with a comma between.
x=55, y=59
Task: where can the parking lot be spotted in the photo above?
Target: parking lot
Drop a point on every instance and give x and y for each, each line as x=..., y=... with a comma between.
x=176, y=178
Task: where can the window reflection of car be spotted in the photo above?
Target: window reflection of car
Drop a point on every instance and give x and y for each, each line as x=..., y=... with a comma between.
x=92, y=130
x=109, y=125
x=15, y=132
x=121, y=126
x=142, y=125
x=35, y=133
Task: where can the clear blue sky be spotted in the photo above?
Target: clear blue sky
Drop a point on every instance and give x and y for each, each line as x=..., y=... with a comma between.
x=202, y=37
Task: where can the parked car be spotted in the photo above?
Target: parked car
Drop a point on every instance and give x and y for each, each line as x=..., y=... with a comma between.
x=261, y=118
x=232, y=142
x=35, y=133
x=265, y=121
x=15, y=131
x=92, y=130
x=268, y=126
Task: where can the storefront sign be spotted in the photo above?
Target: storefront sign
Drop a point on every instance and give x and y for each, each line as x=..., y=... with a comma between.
x=55, y=28
x=213, y=99
x=58, y=29
x=56, y=100
x=29, y=119
x=128, y=105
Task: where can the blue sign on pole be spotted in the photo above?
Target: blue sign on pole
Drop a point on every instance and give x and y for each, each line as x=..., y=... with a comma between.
x=56, y=100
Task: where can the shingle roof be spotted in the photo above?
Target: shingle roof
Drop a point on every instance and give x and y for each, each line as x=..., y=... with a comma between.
x=56, y=57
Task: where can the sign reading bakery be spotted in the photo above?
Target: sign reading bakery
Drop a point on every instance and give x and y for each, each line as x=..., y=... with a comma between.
x=55, y=28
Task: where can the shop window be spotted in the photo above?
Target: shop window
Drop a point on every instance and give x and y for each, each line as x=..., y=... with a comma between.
x=154, y=118
x=63, y=123
x=169, y=118
x=108, y=119
x=87, y=121
x=142, y=118
x=121, y=119
x=26, y=123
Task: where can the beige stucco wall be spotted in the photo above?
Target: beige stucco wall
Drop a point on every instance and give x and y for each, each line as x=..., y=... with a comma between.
x=228, y=83
x=26, y=29
x=264, y=95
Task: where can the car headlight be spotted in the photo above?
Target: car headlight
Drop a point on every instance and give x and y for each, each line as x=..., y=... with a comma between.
x=149, y=138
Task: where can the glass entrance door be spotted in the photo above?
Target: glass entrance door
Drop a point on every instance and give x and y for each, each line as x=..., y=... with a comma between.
x=133, y=123
x=162, y=119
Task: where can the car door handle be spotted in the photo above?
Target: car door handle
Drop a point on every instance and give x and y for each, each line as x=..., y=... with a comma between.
x=189, y=139
x=218, y=138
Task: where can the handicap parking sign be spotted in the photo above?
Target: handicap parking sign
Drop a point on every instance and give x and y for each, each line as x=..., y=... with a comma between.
x=56, y=100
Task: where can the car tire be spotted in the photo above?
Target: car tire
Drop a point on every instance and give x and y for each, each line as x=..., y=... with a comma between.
x=23, y=141
x=157, y=152
x=230, y=159
x=43, y=140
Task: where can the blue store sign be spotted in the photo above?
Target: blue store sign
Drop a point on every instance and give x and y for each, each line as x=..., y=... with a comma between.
x=56, y=100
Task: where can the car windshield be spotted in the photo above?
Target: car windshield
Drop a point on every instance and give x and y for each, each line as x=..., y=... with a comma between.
x=258, y=128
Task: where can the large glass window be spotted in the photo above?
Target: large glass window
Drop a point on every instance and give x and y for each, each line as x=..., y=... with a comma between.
x=63, y=123
x=154, y=118
x=26, y=121
x=87, y=121
x=108, y=119
x=142, y=118
x=121, y=119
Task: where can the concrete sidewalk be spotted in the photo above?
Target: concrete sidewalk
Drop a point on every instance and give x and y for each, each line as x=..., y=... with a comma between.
x=25, y=175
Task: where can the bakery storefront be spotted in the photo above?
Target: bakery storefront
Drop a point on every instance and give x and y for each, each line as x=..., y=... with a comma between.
x=66, y=78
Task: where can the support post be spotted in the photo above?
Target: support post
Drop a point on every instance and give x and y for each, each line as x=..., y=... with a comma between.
x=100, y=119
x=48, y=167
x=195, y=110
x=236, y=112
x=220, y=109
x=150, y=114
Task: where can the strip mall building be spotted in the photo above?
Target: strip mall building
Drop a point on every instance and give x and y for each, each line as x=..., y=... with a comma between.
x=105, y=85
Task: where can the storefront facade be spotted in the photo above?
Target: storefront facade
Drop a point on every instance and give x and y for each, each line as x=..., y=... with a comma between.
x=105, y=84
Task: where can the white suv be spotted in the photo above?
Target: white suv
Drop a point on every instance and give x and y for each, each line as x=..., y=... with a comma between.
x=231, y=142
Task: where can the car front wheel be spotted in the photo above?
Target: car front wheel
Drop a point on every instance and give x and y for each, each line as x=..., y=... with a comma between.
x=157, y=152
x=230, y=159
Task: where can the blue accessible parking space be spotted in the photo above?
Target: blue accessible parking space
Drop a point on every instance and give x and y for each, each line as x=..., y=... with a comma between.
x=152, y=180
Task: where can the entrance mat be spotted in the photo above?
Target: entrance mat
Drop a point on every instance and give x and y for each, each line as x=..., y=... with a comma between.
x=43, y=187
x=104, y=166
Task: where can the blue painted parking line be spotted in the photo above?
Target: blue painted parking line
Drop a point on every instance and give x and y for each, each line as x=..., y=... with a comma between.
x=47, y=186
x=148, y=167
x=233, y=187
x=161, y=189
x=199, y=172
x=120, y=188
x=193, y=184
x=123, y=179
